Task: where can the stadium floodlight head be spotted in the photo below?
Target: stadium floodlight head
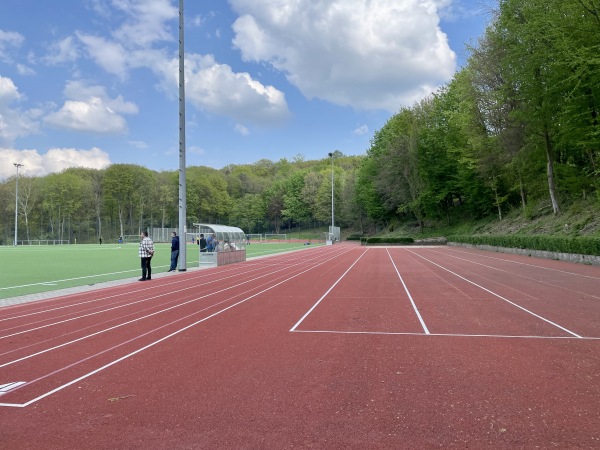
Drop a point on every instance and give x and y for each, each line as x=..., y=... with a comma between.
x=17, y=165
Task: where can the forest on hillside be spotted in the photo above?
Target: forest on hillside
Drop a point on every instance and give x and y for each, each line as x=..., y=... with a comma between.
x=516, y=127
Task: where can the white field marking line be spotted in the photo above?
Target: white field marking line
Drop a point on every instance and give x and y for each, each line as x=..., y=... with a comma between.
x=96, y=324
x=499, y=296
x=412, y=302
x=328, y=291
x=251, y=266
x=150, y=315
x=502, y=336
x=152, y=344
x=107, y=309
x=454, y=249
x=141, y=301
x=225, y=272
x=45, y=283
x=520, y=276
x=54, y=282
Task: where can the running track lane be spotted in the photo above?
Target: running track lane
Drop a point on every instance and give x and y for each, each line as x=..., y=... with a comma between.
x=241, y=380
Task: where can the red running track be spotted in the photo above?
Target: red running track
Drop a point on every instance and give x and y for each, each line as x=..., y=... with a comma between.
x=332, y=347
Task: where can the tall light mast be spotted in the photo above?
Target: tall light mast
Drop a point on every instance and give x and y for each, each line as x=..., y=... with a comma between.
x=182, y=178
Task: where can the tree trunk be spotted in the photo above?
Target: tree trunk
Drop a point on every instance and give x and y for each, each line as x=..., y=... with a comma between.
x=522, y=191
x=551, y=181
x=498, y=203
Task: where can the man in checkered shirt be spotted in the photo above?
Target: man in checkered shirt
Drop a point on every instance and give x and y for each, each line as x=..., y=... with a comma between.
x=146, y=252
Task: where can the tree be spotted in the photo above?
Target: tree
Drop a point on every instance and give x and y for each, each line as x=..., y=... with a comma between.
x=121, y=189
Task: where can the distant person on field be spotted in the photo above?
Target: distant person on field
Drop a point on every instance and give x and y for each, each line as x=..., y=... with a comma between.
x=174, y=251
x=100, y=240
x=247, y=239
x=146, y=253
x=202, y=243
x=120, y=241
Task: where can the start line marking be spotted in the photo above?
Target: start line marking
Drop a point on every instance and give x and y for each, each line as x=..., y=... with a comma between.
x=400, y=333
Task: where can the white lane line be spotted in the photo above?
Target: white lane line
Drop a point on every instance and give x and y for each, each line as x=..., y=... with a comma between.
x=499, y=296
x=409, y=296
x=328, y=291
x=152, y=344
x=402, y=333
x=55, y=282
x=453, y=249
x=136, y=302
x=251, y=265
x=4, y=388
x=523, y=276
x=153, y=314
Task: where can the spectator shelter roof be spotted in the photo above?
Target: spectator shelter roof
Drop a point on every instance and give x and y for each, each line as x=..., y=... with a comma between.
x=223, y=232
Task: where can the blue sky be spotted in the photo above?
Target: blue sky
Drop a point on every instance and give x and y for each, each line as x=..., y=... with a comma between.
x=94, y=82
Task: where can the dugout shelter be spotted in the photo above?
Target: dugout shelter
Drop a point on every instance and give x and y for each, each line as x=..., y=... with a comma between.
x=230, y=247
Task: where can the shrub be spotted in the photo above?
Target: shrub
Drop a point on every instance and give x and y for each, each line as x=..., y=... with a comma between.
x=558, y=244
x=387, y=240
x=354, y=237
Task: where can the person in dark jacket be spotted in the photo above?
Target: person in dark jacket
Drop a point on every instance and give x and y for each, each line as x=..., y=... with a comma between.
x=174, y=251
x=202, y=243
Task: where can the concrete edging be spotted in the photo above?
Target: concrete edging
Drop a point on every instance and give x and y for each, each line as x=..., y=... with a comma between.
x=570, y=257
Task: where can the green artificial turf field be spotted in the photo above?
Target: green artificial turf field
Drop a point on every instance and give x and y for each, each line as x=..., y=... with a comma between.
x=35, y=269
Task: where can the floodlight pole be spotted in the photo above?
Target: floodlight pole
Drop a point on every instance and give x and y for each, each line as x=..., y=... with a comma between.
x=182, y=178
x=17, y=165
x=332, y=213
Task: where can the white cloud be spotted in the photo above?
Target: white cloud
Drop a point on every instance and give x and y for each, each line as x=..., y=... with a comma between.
x=216, y=89
x=9, y=40
x=147, y=22
x=363, y=129
x=242, y=130
x=194, y=150
x=368, y=54
x=14, y=122
x=8, y=91
x=89, y=109
x=212, y=87
x=138, y=144
x=109, y=55
x=54, y=160
x=24, y=70
x=62, y=51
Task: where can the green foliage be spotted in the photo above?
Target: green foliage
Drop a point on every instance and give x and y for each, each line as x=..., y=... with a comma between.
x=560, y=244
x=517, y=128
x=387, y=240
x=354, y=237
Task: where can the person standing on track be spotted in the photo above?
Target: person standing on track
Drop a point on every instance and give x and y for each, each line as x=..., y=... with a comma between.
x=146, y=253
x=174, y=251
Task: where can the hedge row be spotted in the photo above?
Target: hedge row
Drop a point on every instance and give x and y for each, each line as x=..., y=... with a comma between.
x=354, y=237
x=386, y=240
x=578, y=245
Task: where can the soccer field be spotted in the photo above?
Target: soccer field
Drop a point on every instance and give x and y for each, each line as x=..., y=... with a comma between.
x=36, y=269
